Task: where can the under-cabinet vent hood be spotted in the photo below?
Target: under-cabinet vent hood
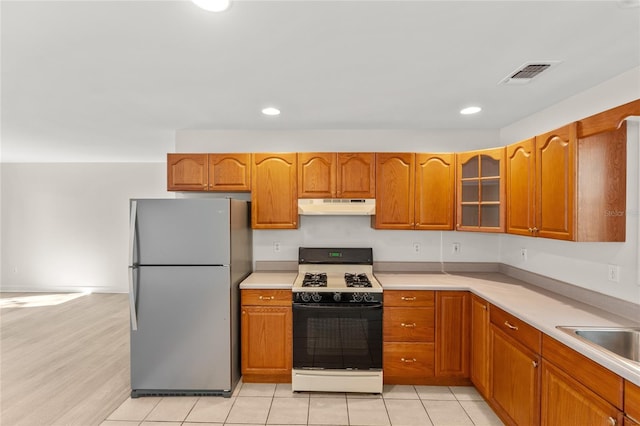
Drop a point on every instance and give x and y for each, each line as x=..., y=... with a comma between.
x=337, y=206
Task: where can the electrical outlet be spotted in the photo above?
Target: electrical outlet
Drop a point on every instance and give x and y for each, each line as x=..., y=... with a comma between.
x=416, y=247
x=613, y=273
x=455, y=248
x=276, y=247
x=523, y=254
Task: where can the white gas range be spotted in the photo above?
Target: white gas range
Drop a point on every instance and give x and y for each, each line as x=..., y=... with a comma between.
x=337, y=322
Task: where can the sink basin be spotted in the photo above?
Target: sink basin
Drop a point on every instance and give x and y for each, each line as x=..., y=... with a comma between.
x=621, y=341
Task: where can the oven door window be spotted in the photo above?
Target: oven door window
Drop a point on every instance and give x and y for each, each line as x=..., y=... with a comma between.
x=337, y=337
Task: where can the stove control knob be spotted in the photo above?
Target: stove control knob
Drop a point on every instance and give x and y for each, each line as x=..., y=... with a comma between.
x=305, y=297
x=357, y=297
x=368, y=297
x=316, y=297
x=337, y=297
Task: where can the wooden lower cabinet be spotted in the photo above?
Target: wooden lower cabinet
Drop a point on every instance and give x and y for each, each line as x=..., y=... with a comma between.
x=515, y=369
x=631, y=403
x=408, y=328
x=566, y=401
x=479, y=356
x=266, y=336
x=452, y=335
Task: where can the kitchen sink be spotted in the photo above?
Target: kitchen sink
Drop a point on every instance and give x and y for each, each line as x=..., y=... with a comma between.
x=624, y=342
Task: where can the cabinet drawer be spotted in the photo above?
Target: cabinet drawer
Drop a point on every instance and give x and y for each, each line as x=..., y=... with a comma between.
x=632, y=400
x=517, y=329
x=406, y=298
x=266, y=297
x=408, y=324
x=413, y=361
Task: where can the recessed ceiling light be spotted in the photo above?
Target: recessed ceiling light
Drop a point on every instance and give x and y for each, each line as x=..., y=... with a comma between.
x=212, y=5
x=271, y=111
x=470, y=110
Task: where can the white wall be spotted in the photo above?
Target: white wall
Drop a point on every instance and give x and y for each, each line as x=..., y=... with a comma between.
x=65, y=225
x=585, y=264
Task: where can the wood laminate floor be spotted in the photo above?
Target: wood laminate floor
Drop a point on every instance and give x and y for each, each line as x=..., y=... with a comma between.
x=65, y=363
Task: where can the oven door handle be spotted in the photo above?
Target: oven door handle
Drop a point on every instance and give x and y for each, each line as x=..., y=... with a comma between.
x=336, y=305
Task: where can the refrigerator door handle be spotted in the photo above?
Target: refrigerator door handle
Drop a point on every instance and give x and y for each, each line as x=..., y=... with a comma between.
x=132, y=229
x=132, y=301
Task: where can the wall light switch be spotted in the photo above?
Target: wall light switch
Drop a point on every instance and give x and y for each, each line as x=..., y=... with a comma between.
x=613, y=273
x=455, y=248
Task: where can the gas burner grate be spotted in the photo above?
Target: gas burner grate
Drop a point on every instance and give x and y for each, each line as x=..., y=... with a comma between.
x=314, y=279
x=357, y=280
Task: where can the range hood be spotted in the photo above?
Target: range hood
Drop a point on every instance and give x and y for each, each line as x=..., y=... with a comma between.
x=337, y=206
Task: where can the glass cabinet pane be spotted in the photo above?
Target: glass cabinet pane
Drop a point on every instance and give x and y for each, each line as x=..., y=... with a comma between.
x=490, y=215
x=470, y=191
x=470, y=215
x=470, y=168
x=491, y=190
x=489, y=166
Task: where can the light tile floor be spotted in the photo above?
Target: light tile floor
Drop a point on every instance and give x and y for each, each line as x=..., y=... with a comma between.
x=274, y=405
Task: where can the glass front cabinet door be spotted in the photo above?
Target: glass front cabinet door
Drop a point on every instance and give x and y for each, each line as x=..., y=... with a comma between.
x=480, y=190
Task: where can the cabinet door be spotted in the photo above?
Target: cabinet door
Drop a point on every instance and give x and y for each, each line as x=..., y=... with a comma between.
x=274, y=202
x=230, y=172
x=187, y=172
x=480, y=357
x=356, y=175
x=566, y=401
x=556, y=174
x=266, y=343
x=452, y=334
x=394, y=191
x=480, y=190
x=435, y=191
x=520, y=181
x=316, y=175
x=515, y=380
x=632, y=400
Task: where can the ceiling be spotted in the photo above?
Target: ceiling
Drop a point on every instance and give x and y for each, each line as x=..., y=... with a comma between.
x=114, y=80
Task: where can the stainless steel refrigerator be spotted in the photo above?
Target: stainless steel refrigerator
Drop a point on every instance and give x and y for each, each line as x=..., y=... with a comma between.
x=187, y=259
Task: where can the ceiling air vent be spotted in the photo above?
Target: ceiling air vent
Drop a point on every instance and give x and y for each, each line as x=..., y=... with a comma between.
x=525, y=73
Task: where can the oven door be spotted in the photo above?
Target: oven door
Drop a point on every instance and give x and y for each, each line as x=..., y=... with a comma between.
x=327, y=336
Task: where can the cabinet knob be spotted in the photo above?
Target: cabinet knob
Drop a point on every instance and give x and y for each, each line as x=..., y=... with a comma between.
x=535, y=229
x=412, y=325
x=612, y=421
x=511, y=326
x=484, y=307
x=534, y=363
x=408, y=359
x=531, y=230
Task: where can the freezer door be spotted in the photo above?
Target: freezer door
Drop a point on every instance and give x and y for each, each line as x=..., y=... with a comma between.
x=180, y=232
x=183, y=339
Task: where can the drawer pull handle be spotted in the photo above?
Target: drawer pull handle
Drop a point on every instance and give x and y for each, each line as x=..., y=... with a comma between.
x=413, y=324
x=511, y=326
x=408, y=359
x=266, y=297
x=612, y=421
x=408, y=299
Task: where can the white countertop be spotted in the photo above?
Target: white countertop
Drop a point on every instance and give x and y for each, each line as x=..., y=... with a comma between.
x=541, y=309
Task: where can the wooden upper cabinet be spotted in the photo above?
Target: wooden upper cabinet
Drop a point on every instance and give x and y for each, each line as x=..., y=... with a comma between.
x=187, y=172
x=274, y=203
x=316, y=175
x=336, y=175
x=356, y=175
x=435, y=191
x=230, y=172
x=209, y=172
x=608, y=120
x=520, y=183
x=579, y=184
x=556, y=192
x=480, y=190
x=394, y=191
